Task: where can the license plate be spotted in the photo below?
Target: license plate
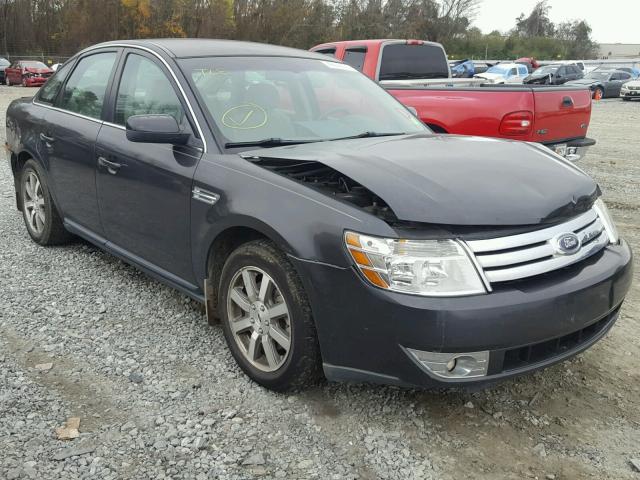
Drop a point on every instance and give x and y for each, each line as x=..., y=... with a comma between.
x=560, y=149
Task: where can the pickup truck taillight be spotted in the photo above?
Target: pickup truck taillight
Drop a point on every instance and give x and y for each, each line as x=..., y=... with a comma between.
x=517, y=123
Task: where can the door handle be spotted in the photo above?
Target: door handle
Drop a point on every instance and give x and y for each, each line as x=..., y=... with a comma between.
x=112, y=167
x=567, y=102
x=47, y=139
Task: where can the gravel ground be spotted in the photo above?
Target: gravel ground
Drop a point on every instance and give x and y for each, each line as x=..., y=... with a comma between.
x=159, y=396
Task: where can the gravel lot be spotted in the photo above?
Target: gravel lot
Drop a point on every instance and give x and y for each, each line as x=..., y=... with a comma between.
x=158, y=394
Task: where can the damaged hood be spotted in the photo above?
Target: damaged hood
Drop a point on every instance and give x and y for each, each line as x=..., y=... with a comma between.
x=455, y=180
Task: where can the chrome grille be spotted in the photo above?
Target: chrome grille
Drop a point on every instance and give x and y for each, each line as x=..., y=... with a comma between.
x=528, y=254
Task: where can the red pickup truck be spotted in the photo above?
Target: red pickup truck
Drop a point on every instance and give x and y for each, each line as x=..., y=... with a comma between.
x=417, y=73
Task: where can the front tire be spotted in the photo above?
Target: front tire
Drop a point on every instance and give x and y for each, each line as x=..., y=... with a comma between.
x=7, y=81
x=598, y=93
x=266, y=318
x=40, y=215
x=24, y=81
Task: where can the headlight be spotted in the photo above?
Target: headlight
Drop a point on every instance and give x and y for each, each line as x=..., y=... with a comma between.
x=603, y=212
x=419, y=267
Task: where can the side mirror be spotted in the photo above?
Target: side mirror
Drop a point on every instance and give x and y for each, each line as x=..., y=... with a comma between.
x=155, y=129
x=412, y=110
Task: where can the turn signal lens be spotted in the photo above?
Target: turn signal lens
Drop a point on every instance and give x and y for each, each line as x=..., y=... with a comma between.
x=420, y=267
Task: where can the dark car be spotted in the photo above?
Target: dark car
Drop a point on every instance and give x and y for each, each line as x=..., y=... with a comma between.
x=554, y=74
x=4, y=63
x=324, y=225
x=27, y=73
x=604, y=83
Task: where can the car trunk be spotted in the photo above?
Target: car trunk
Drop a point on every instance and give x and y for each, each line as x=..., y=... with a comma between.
x=561, y=114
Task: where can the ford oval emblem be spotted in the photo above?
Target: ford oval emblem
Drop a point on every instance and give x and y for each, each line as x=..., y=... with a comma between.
x=567, y=244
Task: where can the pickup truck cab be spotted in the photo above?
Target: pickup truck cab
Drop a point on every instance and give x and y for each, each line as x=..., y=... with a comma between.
x=328, y=233
x=416, y=72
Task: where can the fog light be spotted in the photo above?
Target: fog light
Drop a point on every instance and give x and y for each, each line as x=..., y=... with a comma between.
x=452, y=365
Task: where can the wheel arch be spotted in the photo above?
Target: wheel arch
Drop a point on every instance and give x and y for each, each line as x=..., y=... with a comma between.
x=225, y=240
x=18, y=161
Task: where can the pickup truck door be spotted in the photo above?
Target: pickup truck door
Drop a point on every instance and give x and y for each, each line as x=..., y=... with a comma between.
x=144, y=189
x=69, y=137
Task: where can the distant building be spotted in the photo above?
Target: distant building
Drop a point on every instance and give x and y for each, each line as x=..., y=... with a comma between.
x=612, y=51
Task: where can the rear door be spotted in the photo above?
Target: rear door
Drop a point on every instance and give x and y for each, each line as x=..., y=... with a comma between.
x=145, y=200
x=560, y=113
x=70, y=137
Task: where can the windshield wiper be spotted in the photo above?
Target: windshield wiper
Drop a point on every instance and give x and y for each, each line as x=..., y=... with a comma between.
x=368, y=135
x=267, y=142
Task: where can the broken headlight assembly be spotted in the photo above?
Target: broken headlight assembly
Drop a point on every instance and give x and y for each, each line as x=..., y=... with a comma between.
x=420, y=267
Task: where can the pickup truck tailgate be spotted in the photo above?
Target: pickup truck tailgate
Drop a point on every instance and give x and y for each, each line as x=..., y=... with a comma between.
x=561, y=113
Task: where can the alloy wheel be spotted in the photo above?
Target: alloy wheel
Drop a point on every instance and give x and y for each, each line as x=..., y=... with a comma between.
x=259, y=319
x=34, y=204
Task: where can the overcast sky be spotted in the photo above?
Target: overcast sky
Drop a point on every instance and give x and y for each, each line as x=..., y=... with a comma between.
x=609, y=21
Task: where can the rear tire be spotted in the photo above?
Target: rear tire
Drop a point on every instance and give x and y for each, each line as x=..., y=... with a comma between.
x=268, y=326
x=7, y=81
x=24, y=81
x=40, y=215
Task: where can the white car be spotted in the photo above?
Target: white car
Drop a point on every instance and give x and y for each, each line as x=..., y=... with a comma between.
x=505, y=73
x=630, y=90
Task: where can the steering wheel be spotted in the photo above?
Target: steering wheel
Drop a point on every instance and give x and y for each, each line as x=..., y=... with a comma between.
x=334, y=111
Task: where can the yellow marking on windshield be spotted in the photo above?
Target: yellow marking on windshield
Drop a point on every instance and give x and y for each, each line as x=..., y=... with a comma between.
x=245, y=117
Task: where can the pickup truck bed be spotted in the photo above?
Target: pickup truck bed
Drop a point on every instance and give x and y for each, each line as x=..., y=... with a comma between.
x=417, y=74
x=560, y=114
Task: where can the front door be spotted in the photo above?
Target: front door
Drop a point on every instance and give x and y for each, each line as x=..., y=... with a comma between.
x=71, y=132
x=144, y=190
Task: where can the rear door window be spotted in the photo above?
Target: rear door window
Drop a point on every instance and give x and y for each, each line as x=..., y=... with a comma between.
x=85, y=91
x=355, y=57
x=144, y=90
x=405, y=61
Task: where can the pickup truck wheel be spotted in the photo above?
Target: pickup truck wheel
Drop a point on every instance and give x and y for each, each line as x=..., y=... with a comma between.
x=266, y=318
x=7, y=81
x=40, y=214
x=24, y=81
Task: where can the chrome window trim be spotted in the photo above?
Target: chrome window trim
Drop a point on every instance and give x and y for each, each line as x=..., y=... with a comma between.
x=114, y=125
x=168, y=67
x=62, y=110
x=173, y=74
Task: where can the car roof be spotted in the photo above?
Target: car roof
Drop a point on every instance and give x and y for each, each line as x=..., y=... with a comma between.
x=201, y=47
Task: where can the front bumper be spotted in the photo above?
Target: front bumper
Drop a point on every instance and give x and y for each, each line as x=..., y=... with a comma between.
x=627, y=93
x=366, y=333
x=35, y=81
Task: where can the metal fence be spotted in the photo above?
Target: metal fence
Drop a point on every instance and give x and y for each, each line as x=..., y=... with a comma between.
x=43, y=57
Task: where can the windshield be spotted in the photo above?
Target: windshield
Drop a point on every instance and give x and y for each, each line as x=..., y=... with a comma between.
x=546, y=70
x=598, y=75
x=499, y=69
x=33, y=65
x=251, y=99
